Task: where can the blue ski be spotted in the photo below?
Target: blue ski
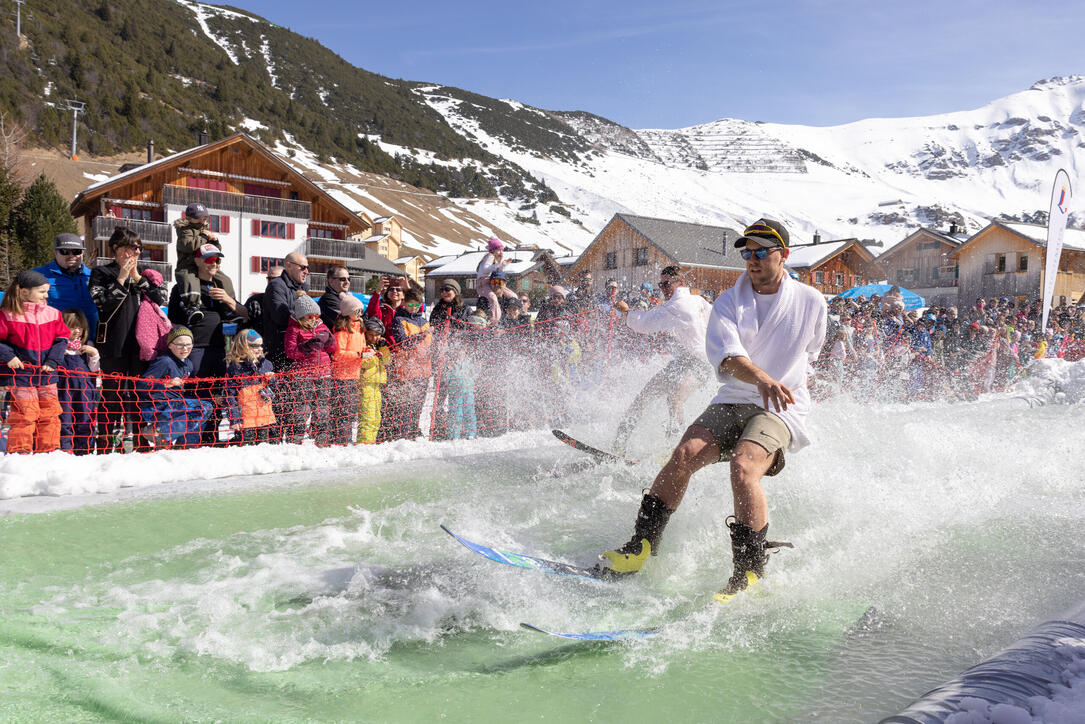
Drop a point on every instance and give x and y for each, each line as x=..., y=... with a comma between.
x=520, y=560
x=618, y=635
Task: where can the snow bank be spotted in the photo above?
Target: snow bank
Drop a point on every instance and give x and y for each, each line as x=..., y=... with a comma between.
x=58, y=473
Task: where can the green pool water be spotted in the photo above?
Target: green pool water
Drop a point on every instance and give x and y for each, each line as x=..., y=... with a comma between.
x=323, y=596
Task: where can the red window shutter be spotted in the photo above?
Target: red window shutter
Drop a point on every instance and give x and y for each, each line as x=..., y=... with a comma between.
x=224, y=224
x=256, y=227
x=255, y=265
x=289, y=231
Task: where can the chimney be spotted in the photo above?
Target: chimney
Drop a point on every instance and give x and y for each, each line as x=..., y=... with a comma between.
x=203, y=137
x=817, y=237
x=150, y=150
x=725, y=242
x=952, y=228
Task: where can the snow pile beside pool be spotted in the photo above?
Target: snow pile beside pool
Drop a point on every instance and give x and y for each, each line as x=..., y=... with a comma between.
x=58, y=473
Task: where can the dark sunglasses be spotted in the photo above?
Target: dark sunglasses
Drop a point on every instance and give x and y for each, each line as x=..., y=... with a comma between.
x=303, y=267
x=212, y=260
x=760, y=253
x=69, y=252
x=137, y=247
x=447, y=289
x=341, y=279
x=665, y=284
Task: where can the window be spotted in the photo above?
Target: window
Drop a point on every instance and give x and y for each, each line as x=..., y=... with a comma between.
x=272, y=229
x=219, y=224
x=317, y=233
x=640, y=256
x=1022, y=263
x=819, y=277
x=839, y=279
x=261, y=264
x=258, y=190
x=525, y=285
x=612, y=260
x=137, y=214
x=1000, y=263
x=470, y=282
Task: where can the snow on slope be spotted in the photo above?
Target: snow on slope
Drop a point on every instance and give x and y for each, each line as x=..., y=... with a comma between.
x=967, y=166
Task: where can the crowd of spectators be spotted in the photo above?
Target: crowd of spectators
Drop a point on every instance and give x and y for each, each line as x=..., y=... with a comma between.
x=94, y=365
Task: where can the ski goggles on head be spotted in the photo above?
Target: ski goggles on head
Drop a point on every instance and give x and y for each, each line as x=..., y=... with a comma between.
x=759, y=253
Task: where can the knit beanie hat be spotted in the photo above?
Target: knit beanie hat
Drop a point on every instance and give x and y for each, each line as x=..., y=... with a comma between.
x=178, y=330
x=304, y=306
x=374, y=324
x=253, y=337
x=349, y=304
x=495, y=244
x=451, y=283
x=28, y=279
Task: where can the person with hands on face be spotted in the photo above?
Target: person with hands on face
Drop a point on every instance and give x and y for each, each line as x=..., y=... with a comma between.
x=310, y=344
x=763, y=334
x=384, y=303
x=118, y=288
x=33, y=338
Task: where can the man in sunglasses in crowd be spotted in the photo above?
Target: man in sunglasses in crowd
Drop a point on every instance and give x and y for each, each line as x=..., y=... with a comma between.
x=69, y=280
x=278, y=305
x=763, y=334
x=684, y=317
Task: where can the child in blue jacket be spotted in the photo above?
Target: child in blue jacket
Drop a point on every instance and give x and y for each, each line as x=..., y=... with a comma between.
x=172, y=418
x=77, y=386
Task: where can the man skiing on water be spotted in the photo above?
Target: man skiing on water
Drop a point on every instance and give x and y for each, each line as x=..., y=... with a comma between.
x=762, y=335
x=685, y=317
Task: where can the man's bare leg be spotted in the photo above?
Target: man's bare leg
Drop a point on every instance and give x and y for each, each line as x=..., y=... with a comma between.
x=697, y=449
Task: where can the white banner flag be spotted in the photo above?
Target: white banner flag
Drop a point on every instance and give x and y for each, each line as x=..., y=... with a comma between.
x=1056, y=225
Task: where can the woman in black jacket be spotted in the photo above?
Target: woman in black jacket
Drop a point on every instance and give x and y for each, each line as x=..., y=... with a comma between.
x=117, y=289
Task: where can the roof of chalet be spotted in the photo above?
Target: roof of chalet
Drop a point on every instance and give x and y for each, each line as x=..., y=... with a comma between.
x=954, y=240
x=686, y=242
x=1035, y=233
x=808, y=257
x=374, y=263
x=466, y=263
x=84, y=197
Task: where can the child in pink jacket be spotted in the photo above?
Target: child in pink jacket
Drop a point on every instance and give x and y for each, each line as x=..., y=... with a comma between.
x=309, y=345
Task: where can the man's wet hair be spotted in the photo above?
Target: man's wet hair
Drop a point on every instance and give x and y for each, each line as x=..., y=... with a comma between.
x=673, y=271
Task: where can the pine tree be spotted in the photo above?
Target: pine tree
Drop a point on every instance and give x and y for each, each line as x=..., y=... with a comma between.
x=41, y=214
x=10, y=258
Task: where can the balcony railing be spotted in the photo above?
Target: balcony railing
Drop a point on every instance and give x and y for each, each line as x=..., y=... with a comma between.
x=163, y=268
x=150, y=232
x=333, y=248
x=247, y=203
x=319, y=280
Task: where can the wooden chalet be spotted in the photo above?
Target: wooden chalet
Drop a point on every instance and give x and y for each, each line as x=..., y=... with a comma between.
x=1007, y=259
x=922, y=263
x=833, y=266
x=261, y=207
x=634, y=249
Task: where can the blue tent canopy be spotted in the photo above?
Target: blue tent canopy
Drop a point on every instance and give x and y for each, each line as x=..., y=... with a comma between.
x=911, y=299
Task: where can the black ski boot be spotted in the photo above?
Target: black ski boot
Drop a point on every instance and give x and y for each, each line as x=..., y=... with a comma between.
x=750, y=552
x=651, y=520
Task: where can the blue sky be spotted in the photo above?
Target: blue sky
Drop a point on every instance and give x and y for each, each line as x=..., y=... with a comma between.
x=673, y=64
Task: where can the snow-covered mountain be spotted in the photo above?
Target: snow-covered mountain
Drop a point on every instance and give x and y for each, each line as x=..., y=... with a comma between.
x=877, y=178
x=551, y=177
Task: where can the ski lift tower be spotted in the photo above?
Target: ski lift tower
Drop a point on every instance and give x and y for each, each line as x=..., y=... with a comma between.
x=76, y=107
x=19, y=18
